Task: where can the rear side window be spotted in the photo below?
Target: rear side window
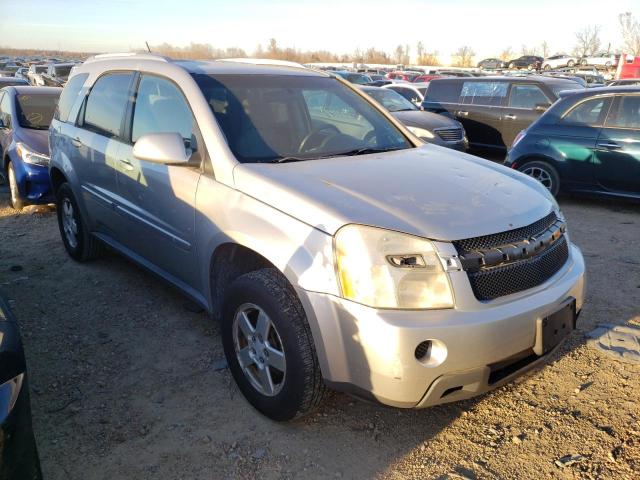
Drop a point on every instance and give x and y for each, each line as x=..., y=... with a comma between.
x=527, y=96
x=484, y=93
x=106, y=104
x=5, y=109
x=626, y=113
x=444, y=91
x=69, y=96
x=590, y=112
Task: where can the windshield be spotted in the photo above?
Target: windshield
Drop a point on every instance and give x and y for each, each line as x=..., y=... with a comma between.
x=62, y=71
x=392, y=101
x=271, y=118
x=36, y=111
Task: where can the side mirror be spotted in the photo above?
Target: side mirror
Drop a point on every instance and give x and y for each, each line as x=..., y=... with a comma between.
x=165, y=148
x=541, y=107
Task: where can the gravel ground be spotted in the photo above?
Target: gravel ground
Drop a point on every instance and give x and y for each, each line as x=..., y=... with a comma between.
x=124, y=383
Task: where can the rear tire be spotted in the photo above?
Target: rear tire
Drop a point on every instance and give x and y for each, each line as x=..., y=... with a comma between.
x=79, y=243
x=16, y=202
x=283, y=386
x=544, y=173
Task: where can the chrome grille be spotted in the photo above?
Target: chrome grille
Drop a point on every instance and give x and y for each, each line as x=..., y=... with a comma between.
x=450, y=134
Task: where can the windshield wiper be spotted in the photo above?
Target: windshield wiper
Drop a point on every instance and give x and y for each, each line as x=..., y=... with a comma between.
x=366, y=151
x=291, y=159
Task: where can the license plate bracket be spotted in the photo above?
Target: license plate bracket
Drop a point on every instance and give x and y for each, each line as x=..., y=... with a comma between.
x=552, y=329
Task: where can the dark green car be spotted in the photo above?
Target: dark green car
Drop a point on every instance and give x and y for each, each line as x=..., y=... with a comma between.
x=588, y=141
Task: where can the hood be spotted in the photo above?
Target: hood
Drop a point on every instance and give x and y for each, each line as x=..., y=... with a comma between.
x=429, y=191
x=36, y=140
x=422, y=119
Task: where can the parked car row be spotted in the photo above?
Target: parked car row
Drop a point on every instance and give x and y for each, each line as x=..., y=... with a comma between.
x=602, y=60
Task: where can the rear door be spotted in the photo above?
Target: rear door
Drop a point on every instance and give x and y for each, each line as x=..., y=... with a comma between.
x=95, y=147
x=617, y=153
x=522, y=109
x=157, y=202
x=480, y=112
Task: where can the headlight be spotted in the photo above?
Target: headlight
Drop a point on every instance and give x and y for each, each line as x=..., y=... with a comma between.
x=421, y=132
x=386, y=269
x=29, y=156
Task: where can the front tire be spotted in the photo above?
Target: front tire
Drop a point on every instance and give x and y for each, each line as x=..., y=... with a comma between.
x=16, y=202
x=544, y=173
x=269, y=346
x=79, y=243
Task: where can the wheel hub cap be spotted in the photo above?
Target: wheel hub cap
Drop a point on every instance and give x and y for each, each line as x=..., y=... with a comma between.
x=541, y=175
x=69, y=224
x=259, y=349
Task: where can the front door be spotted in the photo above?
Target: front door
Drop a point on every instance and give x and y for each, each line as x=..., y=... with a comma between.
x=157, y=202
x=617, y=155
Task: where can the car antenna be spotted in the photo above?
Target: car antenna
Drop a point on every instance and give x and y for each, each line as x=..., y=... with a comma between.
x=147, y=44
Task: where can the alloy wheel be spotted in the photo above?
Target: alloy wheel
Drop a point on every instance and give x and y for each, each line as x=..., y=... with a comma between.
x=541, y=175
x=69, y=224
x=259, y=349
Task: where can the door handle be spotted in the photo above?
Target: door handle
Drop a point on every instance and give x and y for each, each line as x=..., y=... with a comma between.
x=462, y=113
x=126, y=164
x=510, y=116
x=609, y=146
x=76, y=142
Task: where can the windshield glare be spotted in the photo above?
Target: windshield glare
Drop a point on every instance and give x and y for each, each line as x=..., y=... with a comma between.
x=392, y=101
x=267, y=118
x=36, y=111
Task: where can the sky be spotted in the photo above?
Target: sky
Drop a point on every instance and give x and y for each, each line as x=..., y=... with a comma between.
x=341, y=26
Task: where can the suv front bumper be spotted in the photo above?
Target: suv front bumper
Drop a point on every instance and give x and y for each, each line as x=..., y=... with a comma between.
x=371, y=353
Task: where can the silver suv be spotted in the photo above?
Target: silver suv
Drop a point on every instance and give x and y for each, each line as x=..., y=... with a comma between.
x=335, y=247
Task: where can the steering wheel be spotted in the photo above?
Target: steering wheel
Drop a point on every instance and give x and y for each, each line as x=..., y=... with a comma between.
x=315, y=136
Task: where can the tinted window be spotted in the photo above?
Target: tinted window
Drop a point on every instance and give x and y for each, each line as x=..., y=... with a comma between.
x=107, y=102
x=586, y=113
x=5, y=110
x=161, y=107
x=407, y=93
x=62, y=71
x=69, y=96
x=626, y=114
x=527, y=96
x=443, y=91
x=269, y=117
x=484, y=93
x=35, y=111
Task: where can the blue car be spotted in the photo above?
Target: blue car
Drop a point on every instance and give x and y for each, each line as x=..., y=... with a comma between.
x=25, y=116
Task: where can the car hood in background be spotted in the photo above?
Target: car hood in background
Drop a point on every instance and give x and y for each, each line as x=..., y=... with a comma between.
x=419, y=118
x=36, y=140
x=428, y=191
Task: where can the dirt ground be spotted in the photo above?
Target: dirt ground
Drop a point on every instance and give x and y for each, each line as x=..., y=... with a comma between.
x=124, y=384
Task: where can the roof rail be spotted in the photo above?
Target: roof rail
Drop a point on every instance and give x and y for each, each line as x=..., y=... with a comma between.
x=264, y=61
x=141, y=56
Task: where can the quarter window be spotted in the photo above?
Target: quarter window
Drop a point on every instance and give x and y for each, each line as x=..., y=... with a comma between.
x=586, y=113
x=107, y=103
x=527, y=96
x=484, y=93
x=5, y=110
x=627, y=113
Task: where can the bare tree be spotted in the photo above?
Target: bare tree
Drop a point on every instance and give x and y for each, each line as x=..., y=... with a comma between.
x=545, y=49
x=429, y=58
x=506, y=54
x=630, y=33
x=588, y=40
x=398, y=54
x=419, y=52
x=464, y=57
x=272, y=48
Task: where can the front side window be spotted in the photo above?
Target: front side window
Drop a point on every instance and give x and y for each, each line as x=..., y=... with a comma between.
x=391, y=100
x=35, y=111
x=107, y=102
x=69, y=96
x=626, y=113
x=161, y=108
x=527, y=96
x=271, y=118
x=589, y=112
x=407, y=93
x=484, y=93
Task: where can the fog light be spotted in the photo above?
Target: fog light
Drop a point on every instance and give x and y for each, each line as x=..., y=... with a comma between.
x=422, y=350
x=431, y=353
